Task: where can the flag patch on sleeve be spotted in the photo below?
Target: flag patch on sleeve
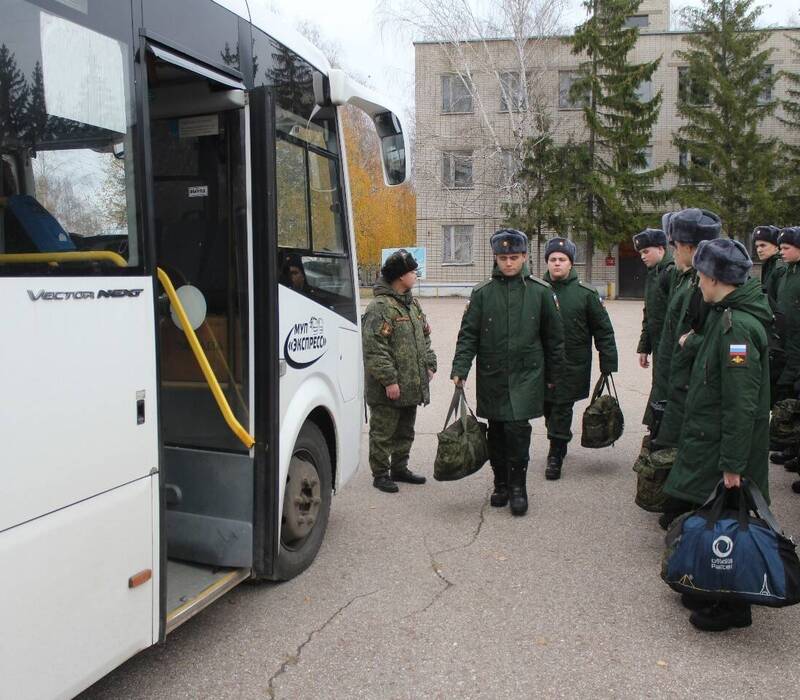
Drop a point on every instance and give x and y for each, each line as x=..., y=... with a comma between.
x=737, y=356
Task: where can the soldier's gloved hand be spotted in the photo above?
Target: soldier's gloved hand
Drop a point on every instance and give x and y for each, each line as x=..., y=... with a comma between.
x=393, y=392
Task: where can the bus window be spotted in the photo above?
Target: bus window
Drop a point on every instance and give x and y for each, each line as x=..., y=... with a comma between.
x=293, y=231
x=67, y=123
x=326, y=219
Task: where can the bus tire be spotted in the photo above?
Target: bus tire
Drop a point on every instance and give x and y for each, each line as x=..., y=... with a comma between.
x=306, y=504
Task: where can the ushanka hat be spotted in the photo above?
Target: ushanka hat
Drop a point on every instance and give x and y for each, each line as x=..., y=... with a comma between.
x=766, y=233
x=665, y=223
x=397, y=264
x=790, y=235
x=649, y=238
x=723, y=259
x=694, y=225
x=509, y=241
x=560, y=245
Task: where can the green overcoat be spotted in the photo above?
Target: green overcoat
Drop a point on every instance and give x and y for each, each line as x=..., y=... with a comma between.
x=727, y=408
x=513, y=327
x=584, y=318
x=656, y=295
x=788, y=322
x=397, y=348
x=771, y=272
x=687, y=312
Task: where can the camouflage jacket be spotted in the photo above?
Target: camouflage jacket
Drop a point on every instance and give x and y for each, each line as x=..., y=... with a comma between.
x=397, y=348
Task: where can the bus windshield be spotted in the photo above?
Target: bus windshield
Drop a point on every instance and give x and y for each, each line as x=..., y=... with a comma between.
x=65, y=144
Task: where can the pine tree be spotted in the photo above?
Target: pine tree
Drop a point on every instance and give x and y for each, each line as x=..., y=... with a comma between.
x=36, y=114
x=13, y=98
x=726, y=165
x=619, y=123
x=791, y=119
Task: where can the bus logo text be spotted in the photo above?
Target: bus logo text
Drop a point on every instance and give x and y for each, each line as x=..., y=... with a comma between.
x=100, y=294
x=305, y=343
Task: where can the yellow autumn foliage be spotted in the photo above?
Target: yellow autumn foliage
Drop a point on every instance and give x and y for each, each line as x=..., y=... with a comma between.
x=383, y=217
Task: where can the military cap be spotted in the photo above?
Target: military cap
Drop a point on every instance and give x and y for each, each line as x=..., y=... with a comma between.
x=694, y=225
x=790, y=235
x=766, y=233
x=649, y=238
x=560, y=245
x=724, y=259
x=397, y=264
x=508, y=241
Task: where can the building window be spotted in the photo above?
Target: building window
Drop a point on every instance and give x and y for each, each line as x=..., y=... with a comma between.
x=457, y=245
x=457, y=169
x=766, y=95
x=510, y=166
x=456, y=94
x=512, y=93
x=686, y=161
x=566, y=78
x=690, y=90
x=647, y=154
x=638, y=21
x=644, y=92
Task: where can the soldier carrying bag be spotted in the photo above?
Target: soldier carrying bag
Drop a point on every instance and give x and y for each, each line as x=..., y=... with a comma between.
x=603, y=421
x=463, y=448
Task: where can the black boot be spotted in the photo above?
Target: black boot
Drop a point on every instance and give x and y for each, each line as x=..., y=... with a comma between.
x=499, y=497
x=722, y=616
x=555, y=458
x=407, y=476
x=385, y=484
x=783, y=457
x=518, y=494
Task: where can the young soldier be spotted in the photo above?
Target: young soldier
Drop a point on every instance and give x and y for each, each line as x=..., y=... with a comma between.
x=584, y=318
x=685, y=315
x=398, y=365
x=726, y=430
x=513, y=326
x=651, y=244
x=765, y=241
x=788, y=322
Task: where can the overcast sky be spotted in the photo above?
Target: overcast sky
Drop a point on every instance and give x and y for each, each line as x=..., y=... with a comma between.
x=388, y=63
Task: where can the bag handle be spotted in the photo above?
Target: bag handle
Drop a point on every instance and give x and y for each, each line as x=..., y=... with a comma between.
x=761, y=507
x=459, y=402
x=602, y=383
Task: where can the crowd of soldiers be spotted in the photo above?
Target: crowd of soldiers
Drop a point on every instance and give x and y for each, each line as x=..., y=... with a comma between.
x=723, y=347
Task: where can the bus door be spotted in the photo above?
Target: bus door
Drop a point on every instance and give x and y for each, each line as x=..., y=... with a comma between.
x=197, y=141
x=78, y=416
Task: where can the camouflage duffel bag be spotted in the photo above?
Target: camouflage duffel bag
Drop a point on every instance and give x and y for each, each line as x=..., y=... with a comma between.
x=463, y=448
x=784, y=426
x=652, y=471
x=603, y=421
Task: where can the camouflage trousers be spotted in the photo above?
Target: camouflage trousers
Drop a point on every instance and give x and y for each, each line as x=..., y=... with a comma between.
x=558, y=419
x=391, y=434
x=509, y=443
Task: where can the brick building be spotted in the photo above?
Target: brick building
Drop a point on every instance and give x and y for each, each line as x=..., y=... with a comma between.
x=468, y=140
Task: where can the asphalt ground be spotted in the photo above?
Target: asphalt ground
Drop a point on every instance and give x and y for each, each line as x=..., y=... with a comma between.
x=432, y=593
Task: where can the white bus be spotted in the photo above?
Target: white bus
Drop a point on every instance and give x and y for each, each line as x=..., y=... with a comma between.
x=180, y=367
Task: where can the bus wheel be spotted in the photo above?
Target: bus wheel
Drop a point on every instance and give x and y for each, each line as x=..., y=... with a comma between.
x=306, y=503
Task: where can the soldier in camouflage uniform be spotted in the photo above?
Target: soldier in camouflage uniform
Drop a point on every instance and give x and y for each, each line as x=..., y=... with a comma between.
x=398, y=366
x=585, y=318
x=513, y=327
x=651, y=244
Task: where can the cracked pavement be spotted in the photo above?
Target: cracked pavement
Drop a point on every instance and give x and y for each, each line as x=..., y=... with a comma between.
x=431, y=593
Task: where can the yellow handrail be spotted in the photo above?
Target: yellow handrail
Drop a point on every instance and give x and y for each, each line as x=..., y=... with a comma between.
x=67, y=256
x=224, y=407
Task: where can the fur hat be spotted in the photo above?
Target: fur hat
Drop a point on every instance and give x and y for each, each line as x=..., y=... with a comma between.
x=508, y=241
x=560, y=245
x=694, y=225
x=649, y=238
x=397, y=264
x=766, y=233
x=724, y=259
x=790, y=235
x=665, y=223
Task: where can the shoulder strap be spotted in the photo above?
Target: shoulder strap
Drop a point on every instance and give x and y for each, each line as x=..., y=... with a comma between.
x=459, y=400
x=760, y=504
x=588, y=286
x=539, y=280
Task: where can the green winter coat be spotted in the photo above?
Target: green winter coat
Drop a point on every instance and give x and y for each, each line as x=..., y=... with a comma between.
x=788, y=323
x=772, y=270
x=513, y=326
x=727, y=408
x=397, y=348
x=656, y=295
x=687, y=312
x=584, y=318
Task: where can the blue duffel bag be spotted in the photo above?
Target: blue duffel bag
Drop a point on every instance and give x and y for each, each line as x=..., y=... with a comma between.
x=732, y=548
